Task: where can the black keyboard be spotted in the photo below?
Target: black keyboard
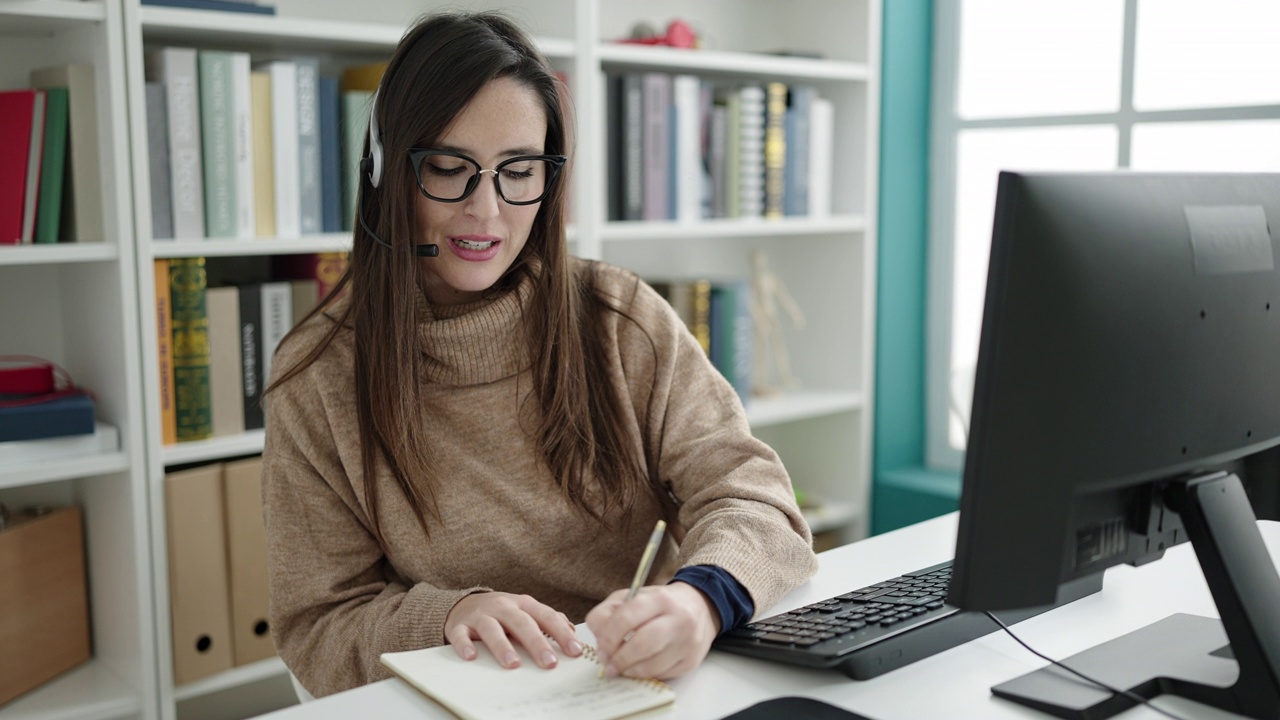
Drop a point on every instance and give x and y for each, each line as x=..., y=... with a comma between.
x=881, y=627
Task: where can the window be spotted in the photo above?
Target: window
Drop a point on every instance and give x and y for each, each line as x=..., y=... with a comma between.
x=1075, y=85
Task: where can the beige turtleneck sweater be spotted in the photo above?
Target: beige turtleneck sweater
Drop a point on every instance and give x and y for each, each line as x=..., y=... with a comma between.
x=338, y=600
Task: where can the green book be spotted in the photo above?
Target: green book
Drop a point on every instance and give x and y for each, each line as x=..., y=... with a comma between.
x=190, y=350
x=217, y=144
x=354, y=126
x=53, y=168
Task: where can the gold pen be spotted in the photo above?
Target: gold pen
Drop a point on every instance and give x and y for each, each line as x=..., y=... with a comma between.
x=642, y=572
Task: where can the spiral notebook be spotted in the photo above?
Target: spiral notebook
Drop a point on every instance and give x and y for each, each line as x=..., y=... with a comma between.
x=481, y=689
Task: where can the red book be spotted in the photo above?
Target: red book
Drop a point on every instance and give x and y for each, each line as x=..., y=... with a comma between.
x=17, y=109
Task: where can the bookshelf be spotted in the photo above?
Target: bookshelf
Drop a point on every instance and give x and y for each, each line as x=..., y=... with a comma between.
x=75, y=304
x=822, y=428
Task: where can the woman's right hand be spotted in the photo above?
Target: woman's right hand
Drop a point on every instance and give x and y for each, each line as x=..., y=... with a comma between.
x=498, y=619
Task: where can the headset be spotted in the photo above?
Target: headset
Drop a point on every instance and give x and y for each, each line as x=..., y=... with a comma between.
x=371, y=167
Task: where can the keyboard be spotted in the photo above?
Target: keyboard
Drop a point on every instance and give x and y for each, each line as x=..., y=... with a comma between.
x=880, y=627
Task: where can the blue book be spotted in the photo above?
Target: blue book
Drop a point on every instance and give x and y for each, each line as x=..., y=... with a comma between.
x=330, y=158
x=221, y=5
x=309, y=198
x=67, y=415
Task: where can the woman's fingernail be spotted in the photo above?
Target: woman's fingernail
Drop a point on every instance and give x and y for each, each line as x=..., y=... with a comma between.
x=510, y=659
x=468, y=653
x=610, y=670
x=548, y=659
x=575, y=647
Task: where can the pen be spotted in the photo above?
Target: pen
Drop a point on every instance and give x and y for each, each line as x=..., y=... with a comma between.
x=642, y=571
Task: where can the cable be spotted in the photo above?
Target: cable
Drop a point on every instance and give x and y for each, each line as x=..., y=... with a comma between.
x=1126, y=693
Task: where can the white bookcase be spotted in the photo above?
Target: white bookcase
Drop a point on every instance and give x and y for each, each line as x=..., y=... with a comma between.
x=75, y=304
x=96, y=314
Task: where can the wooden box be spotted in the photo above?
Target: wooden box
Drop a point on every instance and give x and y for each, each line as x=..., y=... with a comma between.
x=44, y=604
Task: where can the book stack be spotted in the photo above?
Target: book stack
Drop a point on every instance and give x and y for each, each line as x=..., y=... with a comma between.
x=247, y=150
x=685, y=148
x=49, y=179
x=718, y=313
x=216, y=343
x=217, y=568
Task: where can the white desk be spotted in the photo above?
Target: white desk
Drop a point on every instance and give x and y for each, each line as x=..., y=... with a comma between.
x=952, y=684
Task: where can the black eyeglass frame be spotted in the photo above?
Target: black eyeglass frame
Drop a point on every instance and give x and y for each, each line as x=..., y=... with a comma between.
x=416, y=155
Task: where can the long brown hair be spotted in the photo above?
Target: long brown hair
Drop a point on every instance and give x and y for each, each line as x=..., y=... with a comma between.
x=438, y=67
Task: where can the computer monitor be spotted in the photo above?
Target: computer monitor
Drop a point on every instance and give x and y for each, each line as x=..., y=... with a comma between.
x=1126, y=399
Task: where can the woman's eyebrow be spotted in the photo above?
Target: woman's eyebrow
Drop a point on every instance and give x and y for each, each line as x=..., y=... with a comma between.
x=510, y=152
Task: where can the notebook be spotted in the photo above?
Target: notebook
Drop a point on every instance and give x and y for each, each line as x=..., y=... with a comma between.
x=481, y=689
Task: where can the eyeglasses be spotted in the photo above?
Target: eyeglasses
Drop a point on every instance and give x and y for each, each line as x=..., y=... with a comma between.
x=447, y=176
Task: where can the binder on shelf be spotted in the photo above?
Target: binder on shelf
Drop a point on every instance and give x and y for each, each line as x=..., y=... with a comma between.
x=44, y=616
x=83, y=218
x=17, y=122
x=199, y=603
x=247, y=562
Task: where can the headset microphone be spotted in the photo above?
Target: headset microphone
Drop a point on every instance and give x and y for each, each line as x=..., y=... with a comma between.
x=371, y=166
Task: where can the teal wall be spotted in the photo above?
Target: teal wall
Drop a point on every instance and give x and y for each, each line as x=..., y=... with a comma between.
x=904, y=491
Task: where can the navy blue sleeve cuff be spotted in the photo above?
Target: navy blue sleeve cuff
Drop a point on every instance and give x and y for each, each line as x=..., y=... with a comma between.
x=725, y=592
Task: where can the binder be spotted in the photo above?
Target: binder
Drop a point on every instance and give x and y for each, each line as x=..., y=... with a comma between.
x=247, y=561
x=44, y=605
x=198, y=593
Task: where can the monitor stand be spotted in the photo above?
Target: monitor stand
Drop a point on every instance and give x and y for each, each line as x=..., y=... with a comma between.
x=1232, y=664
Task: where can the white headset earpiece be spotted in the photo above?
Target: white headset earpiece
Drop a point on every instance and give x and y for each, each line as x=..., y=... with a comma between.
x=375, y=144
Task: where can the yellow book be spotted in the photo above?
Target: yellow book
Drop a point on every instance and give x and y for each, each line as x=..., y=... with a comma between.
x=264, y=184
x=481, y=689
x=362, y=77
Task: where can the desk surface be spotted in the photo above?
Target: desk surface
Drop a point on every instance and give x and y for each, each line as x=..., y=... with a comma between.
x=952, y=684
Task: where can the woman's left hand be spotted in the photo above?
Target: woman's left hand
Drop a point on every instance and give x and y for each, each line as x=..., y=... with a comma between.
x=663, y=632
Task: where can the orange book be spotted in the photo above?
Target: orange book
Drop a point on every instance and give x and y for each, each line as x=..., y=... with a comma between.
x=164, y=354
x=362, y=77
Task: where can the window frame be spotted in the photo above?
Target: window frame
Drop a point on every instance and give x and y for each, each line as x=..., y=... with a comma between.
x=945, y=128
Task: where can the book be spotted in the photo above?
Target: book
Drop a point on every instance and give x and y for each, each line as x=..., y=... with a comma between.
x=330, y=157
x=686, y=171
x=35, y=151
x=732, y=333
x=242, y=145
x=104, y=439
x=821, y=141
x=217, y=144
x=158, y=163
x=481, y=689
x=354, y=128
x=308, y=116
x=218, y=5
x=225, y=401
x=53, y=166
x=164, y=353
x=83, y=216
x=750, y=151
x=177, y=69
x=284, y=139
x=65, y=414
x=326, y=268
x=251, y=354
x=775, y=148
x=264, y=172
x=795, y=196
x=187, y=281
x=657, y=139
x=633, y=148
x=17, y=108
x=277, y=321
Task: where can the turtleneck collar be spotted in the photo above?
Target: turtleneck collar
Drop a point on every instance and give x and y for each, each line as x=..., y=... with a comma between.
x=474, y=343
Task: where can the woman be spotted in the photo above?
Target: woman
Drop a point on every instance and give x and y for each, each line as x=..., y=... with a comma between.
x=471, y=446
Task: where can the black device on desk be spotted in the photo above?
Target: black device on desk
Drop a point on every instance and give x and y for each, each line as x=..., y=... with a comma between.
x=1127, y=393
x=1126, y=399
